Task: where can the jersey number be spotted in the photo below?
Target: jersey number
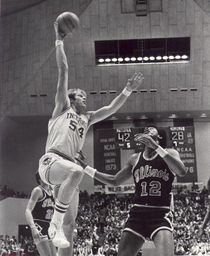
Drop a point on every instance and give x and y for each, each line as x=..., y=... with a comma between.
x=49, y=214
x=73, y=126
x=154, y=188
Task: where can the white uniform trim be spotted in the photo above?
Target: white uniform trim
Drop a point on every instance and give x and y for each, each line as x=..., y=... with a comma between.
x=151, y=206
x=158, y=229
x=135, y=233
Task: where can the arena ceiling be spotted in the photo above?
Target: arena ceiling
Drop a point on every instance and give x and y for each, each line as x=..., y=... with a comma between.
x=13, y=6
x=9, y=7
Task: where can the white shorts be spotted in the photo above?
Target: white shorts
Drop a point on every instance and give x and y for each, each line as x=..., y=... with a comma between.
x=45, y=163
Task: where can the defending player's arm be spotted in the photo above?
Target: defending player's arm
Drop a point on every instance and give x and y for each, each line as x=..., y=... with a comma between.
x=114, y=180
x=61, y=98
x=36, y=194
x=170, y=156
x=133, y=83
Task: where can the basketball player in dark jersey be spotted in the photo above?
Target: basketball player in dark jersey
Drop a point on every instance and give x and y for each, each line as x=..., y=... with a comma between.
x=38, y=213
x=153, y=171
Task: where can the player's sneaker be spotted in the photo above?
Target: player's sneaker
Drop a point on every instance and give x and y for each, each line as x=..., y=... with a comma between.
x=57, y=235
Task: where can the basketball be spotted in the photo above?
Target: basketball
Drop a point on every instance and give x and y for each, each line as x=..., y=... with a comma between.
x=67, y=22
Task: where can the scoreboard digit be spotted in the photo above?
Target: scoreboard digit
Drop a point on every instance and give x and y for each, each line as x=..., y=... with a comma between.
x=123, y=138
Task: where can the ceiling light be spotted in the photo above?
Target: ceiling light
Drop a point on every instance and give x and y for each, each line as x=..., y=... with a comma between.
x=158, y=58
x=139, y=58
x=152, y=58
x=146, y=58
x=133, y=58
x=184, y=57
x=114, y=59
x=171, y=57
x=173, y=116
x=127, y=59
x=165, y=57
x=101, y=60
x=203, y=115
x=177, y=57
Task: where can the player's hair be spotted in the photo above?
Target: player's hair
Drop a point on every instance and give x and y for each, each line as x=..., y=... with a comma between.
x=38, y=178
x=72, y=92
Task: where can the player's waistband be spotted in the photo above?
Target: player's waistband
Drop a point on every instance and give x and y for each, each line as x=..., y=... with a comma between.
x=69, y=158
x=44, y=221
x=143, y=207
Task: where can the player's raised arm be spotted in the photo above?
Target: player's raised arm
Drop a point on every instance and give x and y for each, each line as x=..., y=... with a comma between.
x=61, y=98
x=133, y=83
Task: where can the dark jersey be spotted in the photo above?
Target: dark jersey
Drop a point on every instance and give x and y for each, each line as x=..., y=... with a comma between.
x=44, y=207
x=153, y=182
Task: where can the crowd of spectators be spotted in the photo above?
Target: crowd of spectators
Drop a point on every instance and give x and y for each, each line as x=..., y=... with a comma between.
x=100, y=222
x=24, y=246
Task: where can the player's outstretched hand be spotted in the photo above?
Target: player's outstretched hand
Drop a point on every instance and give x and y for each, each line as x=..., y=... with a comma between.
x=35, y=233
x=135, y=81
x=81, y=161
x=58, y=34
x=146, y=140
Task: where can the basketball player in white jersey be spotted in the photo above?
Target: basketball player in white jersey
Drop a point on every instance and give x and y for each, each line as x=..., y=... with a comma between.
x=153, y=172
x=67, y=129
x=38, y=214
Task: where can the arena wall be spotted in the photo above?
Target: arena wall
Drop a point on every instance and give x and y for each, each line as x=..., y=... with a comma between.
x=12, y=214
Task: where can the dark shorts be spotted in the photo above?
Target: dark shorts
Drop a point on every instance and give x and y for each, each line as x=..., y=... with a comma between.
x=147, y=223
x=42, y=227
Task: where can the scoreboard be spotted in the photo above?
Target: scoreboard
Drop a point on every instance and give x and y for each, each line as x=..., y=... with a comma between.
x=183, y=139
x=109, y=142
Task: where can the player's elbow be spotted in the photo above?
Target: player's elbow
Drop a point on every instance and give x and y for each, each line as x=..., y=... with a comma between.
x=182, y=171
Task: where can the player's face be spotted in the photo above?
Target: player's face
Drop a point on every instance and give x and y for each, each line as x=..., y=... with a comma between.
x=80, y=100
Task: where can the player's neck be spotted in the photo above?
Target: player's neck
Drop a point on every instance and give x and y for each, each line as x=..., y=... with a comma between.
x=79, y=111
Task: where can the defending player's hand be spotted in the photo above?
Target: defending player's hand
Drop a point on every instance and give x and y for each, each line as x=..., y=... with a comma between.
x=35, y=233
x=146, y=140
x=58, y=34
x=81, y=162
x=135, y=81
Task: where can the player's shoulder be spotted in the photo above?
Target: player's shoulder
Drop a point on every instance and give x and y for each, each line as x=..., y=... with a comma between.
x=38, y=192
x=133, y=159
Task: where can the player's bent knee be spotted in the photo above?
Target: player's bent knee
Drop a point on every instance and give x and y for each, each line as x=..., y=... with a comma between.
x=76, y=174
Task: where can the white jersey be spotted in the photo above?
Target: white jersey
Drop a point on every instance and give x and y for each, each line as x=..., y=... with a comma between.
x=67, y=132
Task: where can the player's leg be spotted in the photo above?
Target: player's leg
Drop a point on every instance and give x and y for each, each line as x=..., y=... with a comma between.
x=69, y=175
x=44, y=248
x=69, y=225
x=164, y=243
x=53, y=251
x=130, y=244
